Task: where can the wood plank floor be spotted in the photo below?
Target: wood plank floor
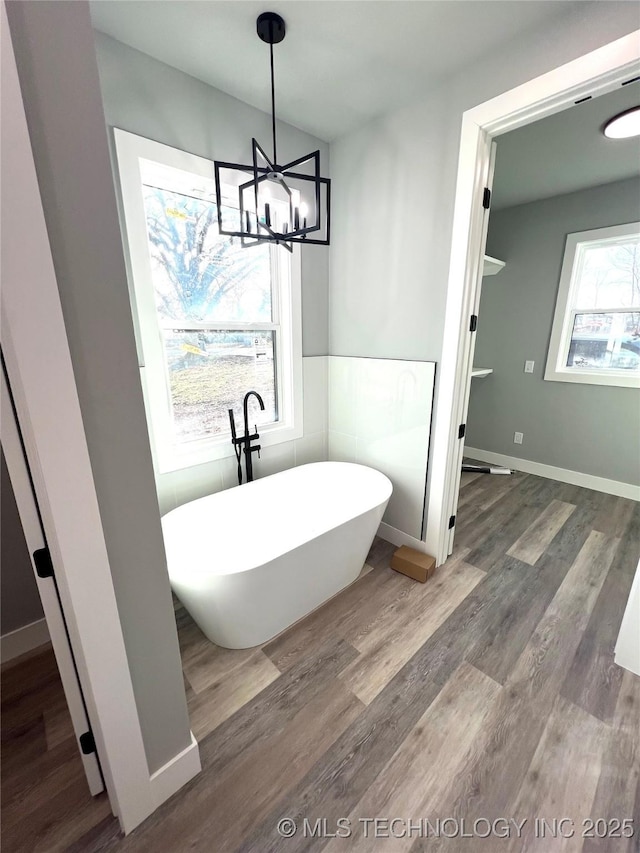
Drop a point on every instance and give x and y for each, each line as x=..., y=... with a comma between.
x=488, y=693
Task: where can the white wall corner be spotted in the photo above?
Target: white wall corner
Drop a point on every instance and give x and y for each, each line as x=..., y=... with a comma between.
x=627, y=651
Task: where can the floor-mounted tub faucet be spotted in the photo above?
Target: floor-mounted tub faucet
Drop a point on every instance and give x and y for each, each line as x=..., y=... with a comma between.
x=246, y=439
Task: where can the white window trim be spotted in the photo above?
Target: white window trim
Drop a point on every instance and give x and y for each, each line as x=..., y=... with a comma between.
x=169, y=456
x=556, y=369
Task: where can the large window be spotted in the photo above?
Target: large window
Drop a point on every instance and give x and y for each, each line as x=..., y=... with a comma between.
x=596, y=328
x=214, y=319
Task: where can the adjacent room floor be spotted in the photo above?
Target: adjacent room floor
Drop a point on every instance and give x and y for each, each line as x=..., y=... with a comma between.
x=488, y=693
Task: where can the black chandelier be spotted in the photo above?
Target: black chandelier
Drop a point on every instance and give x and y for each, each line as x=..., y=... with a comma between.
x=277, y=204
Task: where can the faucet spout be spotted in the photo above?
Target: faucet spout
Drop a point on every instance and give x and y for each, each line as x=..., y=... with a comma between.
x=245, y=407
x=247, y=439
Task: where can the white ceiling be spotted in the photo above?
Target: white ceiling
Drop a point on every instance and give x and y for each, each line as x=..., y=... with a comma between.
x=566, y=152
x=341, y=63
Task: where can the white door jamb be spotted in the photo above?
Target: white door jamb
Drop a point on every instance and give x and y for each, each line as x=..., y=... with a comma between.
x=33, y=534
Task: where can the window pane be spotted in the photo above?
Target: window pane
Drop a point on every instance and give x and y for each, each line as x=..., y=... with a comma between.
x=197, y=274
x=210, y=372
x=605, y=341
x=609, y=274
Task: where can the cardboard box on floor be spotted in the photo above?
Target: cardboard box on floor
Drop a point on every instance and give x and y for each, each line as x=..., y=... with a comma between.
x=413, y=563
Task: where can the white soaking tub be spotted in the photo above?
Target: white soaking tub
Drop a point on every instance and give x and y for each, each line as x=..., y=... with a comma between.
x=252, y=560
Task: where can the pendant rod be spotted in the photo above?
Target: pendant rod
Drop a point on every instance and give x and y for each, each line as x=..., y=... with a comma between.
x=273, y=102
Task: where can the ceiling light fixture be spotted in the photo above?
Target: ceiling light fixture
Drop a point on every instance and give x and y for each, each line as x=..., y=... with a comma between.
x=277, y=204
x=624, y=125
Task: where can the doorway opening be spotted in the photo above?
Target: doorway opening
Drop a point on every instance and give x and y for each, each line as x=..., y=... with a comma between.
x=557, y=350
x=597, y=73
x=558, y=436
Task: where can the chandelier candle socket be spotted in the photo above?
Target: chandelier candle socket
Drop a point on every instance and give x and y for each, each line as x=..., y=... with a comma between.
x=277, y=204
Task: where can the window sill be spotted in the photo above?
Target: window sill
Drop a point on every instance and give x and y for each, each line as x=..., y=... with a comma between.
x=584, y=377
x=205, y=450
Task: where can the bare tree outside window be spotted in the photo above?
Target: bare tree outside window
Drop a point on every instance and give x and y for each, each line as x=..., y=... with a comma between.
x=204, y=282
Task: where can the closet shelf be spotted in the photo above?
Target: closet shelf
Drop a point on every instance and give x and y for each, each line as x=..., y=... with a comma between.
x=481, y=371
x=492, y=266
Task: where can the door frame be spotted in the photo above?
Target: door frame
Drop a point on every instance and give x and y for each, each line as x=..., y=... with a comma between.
x=42, y=382
x=593, y=74
x=29, y=513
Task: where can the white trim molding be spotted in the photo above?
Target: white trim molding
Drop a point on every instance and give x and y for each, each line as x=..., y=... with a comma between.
x=563, y=475
x=23, y=640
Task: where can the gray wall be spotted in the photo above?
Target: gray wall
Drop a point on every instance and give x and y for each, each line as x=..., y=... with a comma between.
x=147, y=97
x=593, y=429
x=19, y=597
x=393, y=184
x=58, y=72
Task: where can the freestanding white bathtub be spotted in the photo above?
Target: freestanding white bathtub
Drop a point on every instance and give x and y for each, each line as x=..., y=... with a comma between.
x=252, y=560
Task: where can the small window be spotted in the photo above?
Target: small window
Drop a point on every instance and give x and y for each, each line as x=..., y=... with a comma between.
x=596, y=327
x=214, y=319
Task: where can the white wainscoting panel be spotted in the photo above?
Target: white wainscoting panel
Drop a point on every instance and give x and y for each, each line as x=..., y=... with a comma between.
x=380, y=415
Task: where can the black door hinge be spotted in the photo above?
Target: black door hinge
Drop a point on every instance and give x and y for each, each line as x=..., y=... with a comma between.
x=461, y=430
x=452, y=521
x=473, y=325
x=486, y=198
x=43, y=564
x=87, y=743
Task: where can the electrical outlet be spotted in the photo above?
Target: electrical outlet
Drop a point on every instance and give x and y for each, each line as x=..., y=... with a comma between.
x=528, y=366
x=517, y=437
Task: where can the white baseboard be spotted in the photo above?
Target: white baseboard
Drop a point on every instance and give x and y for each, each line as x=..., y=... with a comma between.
x=155, y=789
x=397, y=537
x=564, y=475
x=175, y=773
x=23, y=640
